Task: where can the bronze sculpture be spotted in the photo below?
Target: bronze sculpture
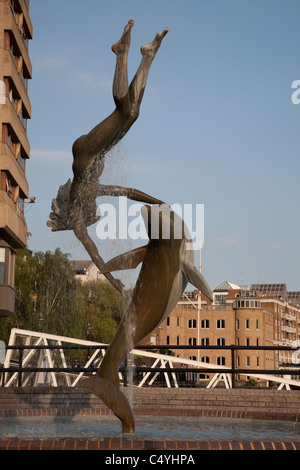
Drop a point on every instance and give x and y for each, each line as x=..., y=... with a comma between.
x=167, y=267
x=74, y=207
x=167, y=263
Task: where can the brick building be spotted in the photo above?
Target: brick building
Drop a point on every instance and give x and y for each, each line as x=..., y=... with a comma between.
x=15, y=110
x=260, y=315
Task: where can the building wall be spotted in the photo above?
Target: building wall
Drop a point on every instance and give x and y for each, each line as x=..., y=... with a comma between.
x=240, y=321
x=233, y=403
x=15, y=71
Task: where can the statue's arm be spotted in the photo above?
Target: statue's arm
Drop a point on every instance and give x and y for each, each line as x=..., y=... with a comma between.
x=130, y=193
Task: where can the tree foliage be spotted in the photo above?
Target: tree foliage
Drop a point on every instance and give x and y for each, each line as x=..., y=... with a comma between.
x=49, y=298
x=102, y=309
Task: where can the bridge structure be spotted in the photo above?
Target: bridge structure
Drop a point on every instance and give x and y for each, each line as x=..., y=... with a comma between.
x=43, y=361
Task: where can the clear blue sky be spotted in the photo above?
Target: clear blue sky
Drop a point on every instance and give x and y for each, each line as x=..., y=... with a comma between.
x=217, y=124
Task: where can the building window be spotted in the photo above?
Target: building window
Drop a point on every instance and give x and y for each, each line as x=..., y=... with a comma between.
x=247, y=341
x=2, y=265
x=257, y=324
x=247, y=324
x=9, y=188
x=192, y=341
x=21, y=160
x=221, y=342
x=192, y=324
x=168, y=321
x=178, y=321
x=10, y=142
x=7, y=266
x=221, y=361
x=178, y=340
x=220, y=299
x=206, y=360
x=20, y=205
x=257, y=361
x=205, y=324
x=220, y=324
x=246, y=304
x=204, y=341
x=248, y=361
x=153, y=340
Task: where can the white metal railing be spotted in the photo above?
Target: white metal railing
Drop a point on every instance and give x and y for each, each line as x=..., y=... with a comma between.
x=44, y=359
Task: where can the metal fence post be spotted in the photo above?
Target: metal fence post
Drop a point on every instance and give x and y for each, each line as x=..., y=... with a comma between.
x=20, y=367
x=232, y=366
x=125, y=372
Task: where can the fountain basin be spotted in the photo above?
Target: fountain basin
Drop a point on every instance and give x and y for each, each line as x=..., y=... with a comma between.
x=150, y=427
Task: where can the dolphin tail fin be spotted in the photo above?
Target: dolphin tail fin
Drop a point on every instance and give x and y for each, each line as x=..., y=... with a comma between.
x=195, y=277
x=113, y=398
x=129, y=260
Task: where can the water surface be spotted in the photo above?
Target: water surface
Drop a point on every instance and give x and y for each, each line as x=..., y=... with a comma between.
x=151, y=427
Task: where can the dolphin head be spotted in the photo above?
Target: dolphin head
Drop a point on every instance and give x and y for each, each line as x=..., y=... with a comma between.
x=163, y=224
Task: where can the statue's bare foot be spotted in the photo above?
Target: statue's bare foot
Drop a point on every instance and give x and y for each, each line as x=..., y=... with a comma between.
x=123, y=44
x=152, y=48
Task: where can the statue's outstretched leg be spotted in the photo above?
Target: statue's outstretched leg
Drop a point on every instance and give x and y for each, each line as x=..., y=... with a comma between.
x=120, y=83
x=138, y=84
x=127, y=100
x=106, y=134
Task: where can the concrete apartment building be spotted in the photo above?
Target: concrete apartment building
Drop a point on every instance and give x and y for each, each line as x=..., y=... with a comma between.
x=260, y=315
x=15, y=110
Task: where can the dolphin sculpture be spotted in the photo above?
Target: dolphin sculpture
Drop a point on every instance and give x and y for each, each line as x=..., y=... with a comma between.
x=167, y=267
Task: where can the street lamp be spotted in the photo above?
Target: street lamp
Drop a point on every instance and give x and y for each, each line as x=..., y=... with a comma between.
x=41, y=322
x=88, y=334
x=88, y=331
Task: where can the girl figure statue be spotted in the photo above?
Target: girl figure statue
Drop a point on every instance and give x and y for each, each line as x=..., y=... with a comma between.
x=75, y=205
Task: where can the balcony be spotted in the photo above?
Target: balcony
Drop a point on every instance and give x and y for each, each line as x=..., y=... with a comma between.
x=7, y=300
x=288, y=329
x=10, y=164
x=9, y=70
x=11, y=25
x=9, y=116
x=288, y=316
x=7, y=270
x=13, y=226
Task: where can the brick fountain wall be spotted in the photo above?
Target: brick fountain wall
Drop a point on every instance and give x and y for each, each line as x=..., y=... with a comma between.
x=243, y=403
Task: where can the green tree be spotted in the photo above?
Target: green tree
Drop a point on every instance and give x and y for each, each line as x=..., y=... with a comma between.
x=49, y=299
x=58, y=301
x=46, y=290
x=26, y=275
x=102, y=310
